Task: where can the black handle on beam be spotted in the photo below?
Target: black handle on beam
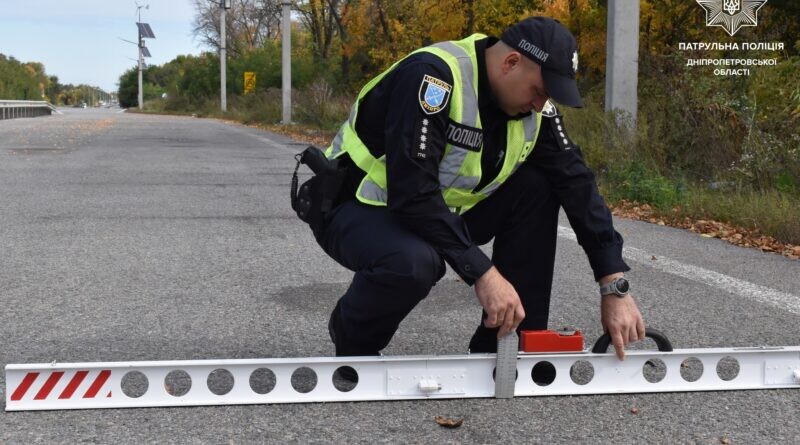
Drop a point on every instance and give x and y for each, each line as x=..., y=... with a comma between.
x=664, y=345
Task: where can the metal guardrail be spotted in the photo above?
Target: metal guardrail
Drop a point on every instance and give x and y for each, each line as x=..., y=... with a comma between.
x=11, y=109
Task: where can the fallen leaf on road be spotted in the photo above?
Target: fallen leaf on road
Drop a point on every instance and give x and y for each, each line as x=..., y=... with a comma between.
x=634, y=410
x=447, y=422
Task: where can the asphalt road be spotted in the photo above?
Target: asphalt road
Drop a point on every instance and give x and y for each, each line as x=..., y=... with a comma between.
x=129, y=237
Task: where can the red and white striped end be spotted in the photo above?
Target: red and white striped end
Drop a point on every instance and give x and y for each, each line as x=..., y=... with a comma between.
x=57, y=388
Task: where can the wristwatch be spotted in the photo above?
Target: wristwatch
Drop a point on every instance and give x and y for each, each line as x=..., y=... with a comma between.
x=619, y=287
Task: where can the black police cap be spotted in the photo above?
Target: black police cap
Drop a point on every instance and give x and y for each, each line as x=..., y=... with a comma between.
x=548, y=43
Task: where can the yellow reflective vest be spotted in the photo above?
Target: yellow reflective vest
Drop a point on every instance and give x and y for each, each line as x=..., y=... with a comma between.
x=459, y=169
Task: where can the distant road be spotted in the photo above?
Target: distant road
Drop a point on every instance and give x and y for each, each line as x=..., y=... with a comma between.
x=140, y=237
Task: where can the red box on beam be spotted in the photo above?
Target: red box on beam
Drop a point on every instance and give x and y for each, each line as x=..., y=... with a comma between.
x=566, y=340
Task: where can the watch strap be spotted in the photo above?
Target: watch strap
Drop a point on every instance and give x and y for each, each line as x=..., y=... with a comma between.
x=611, y=288
x=607, y=288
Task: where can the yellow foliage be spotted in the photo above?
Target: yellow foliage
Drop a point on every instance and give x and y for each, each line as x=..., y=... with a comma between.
x=587, y=21
x=493, y=17
x=386, y=30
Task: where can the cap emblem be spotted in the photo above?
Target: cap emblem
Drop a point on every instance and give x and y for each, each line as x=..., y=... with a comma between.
x=549, y=110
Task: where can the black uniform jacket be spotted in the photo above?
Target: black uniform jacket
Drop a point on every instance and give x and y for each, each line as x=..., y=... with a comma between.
x=391, y=120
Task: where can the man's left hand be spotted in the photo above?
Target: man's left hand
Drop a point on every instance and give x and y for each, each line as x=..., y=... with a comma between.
x=621, y=319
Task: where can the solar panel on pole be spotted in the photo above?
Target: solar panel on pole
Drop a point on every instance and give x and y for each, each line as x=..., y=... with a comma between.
x=146, y=52
x=145, y=31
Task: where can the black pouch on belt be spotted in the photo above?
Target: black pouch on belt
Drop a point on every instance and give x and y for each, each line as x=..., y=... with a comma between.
x=316, y=197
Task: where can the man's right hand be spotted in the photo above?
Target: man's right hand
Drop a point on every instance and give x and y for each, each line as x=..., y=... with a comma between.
x=500, y=301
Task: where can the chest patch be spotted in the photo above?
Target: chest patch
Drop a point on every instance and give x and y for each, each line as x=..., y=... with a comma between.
x=433, y=94
x=469, y=138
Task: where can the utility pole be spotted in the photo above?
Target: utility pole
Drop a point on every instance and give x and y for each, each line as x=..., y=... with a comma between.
x=145, y=32
x=141, y=63
x=141, y=55
x=225, y=5
x=286, y=61
x=622, y=56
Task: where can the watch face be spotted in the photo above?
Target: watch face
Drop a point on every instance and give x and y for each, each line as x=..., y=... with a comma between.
x=622, y=285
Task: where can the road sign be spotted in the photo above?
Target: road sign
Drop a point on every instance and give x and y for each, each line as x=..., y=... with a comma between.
x=249, y=81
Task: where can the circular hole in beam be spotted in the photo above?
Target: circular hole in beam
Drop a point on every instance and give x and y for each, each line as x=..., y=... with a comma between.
x=728, y=368
x=134, y=384
x=654, y=370
x=494, y=374
x=177, y=383
x=543, y=373
x=304, y=380
x=345, y=378
x=692, y=369
x=581, y=372
x=262, y=380
x=220, y=381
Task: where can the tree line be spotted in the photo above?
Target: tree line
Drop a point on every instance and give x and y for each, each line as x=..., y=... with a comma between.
x=29, y=81
x=752, y=122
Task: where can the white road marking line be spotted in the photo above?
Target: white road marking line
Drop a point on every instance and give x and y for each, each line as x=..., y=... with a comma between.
x=782, y=300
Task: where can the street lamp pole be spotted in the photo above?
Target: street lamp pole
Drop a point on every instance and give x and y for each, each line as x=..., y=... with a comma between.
x=141, y=62
x=286, y=61
x=223, y=92
x=622, y=55
x=141, y=54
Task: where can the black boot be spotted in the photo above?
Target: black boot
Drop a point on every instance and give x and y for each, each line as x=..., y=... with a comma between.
x=337, y=337
x=483, y=340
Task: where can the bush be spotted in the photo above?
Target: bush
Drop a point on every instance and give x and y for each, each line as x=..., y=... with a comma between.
x=319, y=107
x=637, y=183
x=259, y=107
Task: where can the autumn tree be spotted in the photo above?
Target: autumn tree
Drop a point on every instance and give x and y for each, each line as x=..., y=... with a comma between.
x=384, y=31
x=319, y=19
x=248, y=24
x=22, y=81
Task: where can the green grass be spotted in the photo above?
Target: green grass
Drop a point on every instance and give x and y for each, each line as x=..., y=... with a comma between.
x=773, y=213
x=634, y=166
x=317, y=107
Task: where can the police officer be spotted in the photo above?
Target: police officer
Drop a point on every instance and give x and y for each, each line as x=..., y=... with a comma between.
x=455, y=145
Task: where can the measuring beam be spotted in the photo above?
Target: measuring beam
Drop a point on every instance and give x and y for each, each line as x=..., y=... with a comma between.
x=58, y=386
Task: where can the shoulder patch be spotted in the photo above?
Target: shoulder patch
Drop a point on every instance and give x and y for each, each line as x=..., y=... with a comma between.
x=433, y=94
x=549, y=110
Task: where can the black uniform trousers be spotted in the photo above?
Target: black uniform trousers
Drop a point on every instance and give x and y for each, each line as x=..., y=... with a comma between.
x=395, y=268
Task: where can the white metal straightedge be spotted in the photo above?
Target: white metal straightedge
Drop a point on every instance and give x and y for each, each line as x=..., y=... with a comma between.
x=298, y=380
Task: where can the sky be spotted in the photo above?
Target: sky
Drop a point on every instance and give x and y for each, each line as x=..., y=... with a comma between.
x=78, y=40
